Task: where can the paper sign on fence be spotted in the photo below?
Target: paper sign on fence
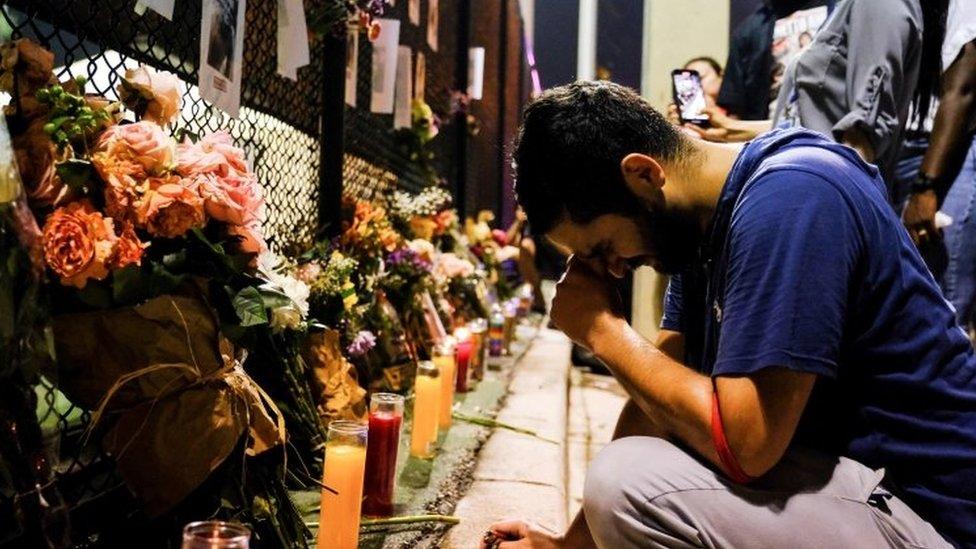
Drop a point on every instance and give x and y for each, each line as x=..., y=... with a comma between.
x=404, y=77
x=222, y=53
x=384, y=66
x=476, y=72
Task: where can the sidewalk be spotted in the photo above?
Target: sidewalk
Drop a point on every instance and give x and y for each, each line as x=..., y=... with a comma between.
x=520, y=476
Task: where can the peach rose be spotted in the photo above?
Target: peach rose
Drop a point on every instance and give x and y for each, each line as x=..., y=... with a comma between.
x=171, y=207
x=144, y=143
x=250, y=238
x=233, y=199
x=129, y=248
x=214, y=154
x=79, y=243
x=155, y=95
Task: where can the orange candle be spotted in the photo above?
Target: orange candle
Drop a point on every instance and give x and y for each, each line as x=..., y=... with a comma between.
x=426, y=410
x=345, y=466
x=445, y=361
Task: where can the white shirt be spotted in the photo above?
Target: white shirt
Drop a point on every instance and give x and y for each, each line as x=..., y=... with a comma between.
x=960, y=29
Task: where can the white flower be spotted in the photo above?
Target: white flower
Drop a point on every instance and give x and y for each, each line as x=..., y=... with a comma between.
x=296, y=290
x=286, y=317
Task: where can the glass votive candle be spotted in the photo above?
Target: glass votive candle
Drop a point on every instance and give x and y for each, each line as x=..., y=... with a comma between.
x=479, y=331
x=345, y=467
x=426, y=410
x=383, y=444
x=215, y=534
x=496, y=331
x=462, y=352
x=511, y=321
x=444, y=358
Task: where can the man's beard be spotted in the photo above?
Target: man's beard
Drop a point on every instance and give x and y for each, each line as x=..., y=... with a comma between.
x=674, y=238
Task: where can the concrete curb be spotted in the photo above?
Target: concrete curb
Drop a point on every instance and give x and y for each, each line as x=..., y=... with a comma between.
x=519, y=476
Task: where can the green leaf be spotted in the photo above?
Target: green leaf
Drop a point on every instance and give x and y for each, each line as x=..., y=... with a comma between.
x=96, y=295
x=250, y=308
x=162, y=281
x=129, y=285
x=272, y=298
x=77, y=174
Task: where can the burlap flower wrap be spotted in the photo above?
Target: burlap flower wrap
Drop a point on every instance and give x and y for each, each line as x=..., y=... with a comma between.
x=168, y=392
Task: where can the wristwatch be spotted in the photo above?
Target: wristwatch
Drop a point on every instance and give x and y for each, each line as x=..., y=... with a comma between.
x=923, y=183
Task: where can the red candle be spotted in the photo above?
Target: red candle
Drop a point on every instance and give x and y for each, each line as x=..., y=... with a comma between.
x=463, y=357
x=382, y=446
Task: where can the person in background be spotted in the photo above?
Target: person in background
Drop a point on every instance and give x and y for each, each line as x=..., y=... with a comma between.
x=710, y=72
x=947, y=176
x=810, y=386
x=758, y=54
x=857, y=80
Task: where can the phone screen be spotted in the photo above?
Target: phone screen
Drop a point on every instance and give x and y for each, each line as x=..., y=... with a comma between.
x=689, y=96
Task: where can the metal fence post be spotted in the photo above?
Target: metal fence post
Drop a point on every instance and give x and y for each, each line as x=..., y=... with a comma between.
x=331, y=135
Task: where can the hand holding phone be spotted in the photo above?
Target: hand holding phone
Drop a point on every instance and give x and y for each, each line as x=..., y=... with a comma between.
x=689, y=96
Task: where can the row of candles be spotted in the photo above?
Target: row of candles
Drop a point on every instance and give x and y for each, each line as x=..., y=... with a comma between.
x=361, y=459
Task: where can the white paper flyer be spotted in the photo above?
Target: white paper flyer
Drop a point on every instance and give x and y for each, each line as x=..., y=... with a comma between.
x=222, y=53
x=476, y=72
x=162, y=7
x=352, y=65
x=404, y=77
x=292, y=38
x=433, y=22
x=384, y=66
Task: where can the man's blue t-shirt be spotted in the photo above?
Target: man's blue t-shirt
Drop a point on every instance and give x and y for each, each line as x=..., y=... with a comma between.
x=811, y=270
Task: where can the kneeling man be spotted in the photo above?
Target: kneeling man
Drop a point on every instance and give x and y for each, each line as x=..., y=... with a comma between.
x=810, y=388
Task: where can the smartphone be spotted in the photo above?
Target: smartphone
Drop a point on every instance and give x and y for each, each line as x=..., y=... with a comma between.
x=689, y=96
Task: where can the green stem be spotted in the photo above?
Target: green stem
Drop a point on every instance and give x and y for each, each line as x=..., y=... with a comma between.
x=489, y=422
x=394, y=521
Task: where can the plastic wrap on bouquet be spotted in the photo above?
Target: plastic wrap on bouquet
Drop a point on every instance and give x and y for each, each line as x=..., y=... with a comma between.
x=166, y=387
x=338, y=394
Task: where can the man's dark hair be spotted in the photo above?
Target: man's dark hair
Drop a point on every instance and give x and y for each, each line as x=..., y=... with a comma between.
x=570, y=144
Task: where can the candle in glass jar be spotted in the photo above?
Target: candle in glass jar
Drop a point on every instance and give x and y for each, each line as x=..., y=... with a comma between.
x=446, y=362
x=462, y=352
x=479, y=330
x=345, y=466
x=215, y=534
x=496, y=331
x=383, y=444
x=511, y=321
x=426, y=410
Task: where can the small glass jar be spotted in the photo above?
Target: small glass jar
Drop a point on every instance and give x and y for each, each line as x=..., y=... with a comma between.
x=382, y=447
x=463, y=351
x=215, y=534
x=426, y=410
x=345, y=467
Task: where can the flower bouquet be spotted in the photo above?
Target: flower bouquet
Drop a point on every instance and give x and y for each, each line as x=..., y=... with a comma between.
x=157, y=293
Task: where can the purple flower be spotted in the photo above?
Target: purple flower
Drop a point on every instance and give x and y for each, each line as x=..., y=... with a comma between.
x=362, y=343
x=406, y=256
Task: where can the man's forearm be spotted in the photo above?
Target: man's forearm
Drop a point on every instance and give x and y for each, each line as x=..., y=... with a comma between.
x=676, y=399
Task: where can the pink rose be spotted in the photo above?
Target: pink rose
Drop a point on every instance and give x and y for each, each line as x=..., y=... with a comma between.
x=79, y=243
x=144, y=144
x=213, y=154
x=233, y=199
x=171, y=207
x=155, y=95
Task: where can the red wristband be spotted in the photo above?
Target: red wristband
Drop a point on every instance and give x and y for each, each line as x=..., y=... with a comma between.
x=725, y=455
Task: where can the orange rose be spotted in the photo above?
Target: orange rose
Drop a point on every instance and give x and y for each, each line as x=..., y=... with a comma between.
x=170, y=207
x=78, y=243
x=129, y=249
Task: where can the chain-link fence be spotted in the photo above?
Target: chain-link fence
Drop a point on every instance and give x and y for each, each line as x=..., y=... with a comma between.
x=370, y=136
x=278, y=127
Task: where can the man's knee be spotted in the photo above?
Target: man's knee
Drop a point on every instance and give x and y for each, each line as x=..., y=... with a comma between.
x=629, y=474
